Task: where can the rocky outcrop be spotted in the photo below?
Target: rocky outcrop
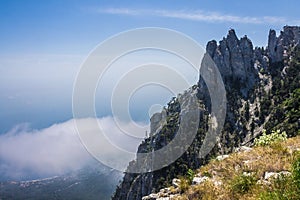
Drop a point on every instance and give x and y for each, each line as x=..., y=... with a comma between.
x=278, y=46
x=157, y=120
x=273, y=49
x=234, y=57
x=246, y=72
x=249, y=166
x=164, y=126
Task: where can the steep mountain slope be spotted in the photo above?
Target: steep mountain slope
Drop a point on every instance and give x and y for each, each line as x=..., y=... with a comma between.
x=262, y=89
x=268, y=171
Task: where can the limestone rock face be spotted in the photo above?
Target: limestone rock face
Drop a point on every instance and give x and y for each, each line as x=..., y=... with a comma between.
x=261, y=61
x=246, y=74
x=277, y=46
x=156, y=121
x=234, y=57
x=272, y=45
x=247, y=52
x=239, y=62
x=211, y=47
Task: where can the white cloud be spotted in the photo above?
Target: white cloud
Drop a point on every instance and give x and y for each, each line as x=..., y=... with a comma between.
x=51, y=151
x=124, y=11
x=200, y=15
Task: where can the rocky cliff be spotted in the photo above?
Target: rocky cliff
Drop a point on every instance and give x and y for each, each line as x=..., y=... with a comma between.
x=258, y=83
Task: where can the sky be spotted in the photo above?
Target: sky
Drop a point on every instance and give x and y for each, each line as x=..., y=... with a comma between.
x=44, y=43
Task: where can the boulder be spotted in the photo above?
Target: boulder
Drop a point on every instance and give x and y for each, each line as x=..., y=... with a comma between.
x=199, y=180
x=222, y=157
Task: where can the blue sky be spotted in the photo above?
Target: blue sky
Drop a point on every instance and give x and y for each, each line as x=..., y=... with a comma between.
x=43, y=43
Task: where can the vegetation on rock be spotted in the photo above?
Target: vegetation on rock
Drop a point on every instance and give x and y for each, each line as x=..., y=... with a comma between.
x=265, y=172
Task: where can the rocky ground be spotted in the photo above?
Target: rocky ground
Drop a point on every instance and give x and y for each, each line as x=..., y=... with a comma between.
x=214, y=180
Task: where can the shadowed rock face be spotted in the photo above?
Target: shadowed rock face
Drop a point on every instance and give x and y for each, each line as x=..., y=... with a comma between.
x=240, y=65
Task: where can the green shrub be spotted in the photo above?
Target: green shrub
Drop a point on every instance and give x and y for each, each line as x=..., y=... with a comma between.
x=206, y=173
x=184, y=184
x=296, y=172
x=273, y=195
x=186, y=181
x=285, y=187
x=275, y=136
x=282, y=188
x=242, y=183
x=190, y=175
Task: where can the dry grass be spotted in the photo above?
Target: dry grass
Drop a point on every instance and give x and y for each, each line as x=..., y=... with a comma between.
x=275, y=158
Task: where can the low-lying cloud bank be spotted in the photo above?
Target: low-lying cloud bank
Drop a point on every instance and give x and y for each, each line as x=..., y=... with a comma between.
x=27, y=153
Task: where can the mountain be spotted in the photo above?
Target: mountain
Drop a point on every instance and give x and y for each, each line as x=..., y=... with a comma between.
x=87, y=183
x=269, y=170
x=262, y=91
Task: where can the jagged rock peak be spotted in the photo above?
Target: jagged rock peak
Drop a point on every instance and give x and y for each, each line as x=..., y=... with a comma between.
x=291, y=34
x=211, y=47
x=277, y=46
x=232, y=39
x=233, y=56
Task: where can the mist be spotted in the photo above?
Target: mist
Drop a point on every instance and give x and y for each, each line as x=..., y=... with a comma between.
x=27, y=153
